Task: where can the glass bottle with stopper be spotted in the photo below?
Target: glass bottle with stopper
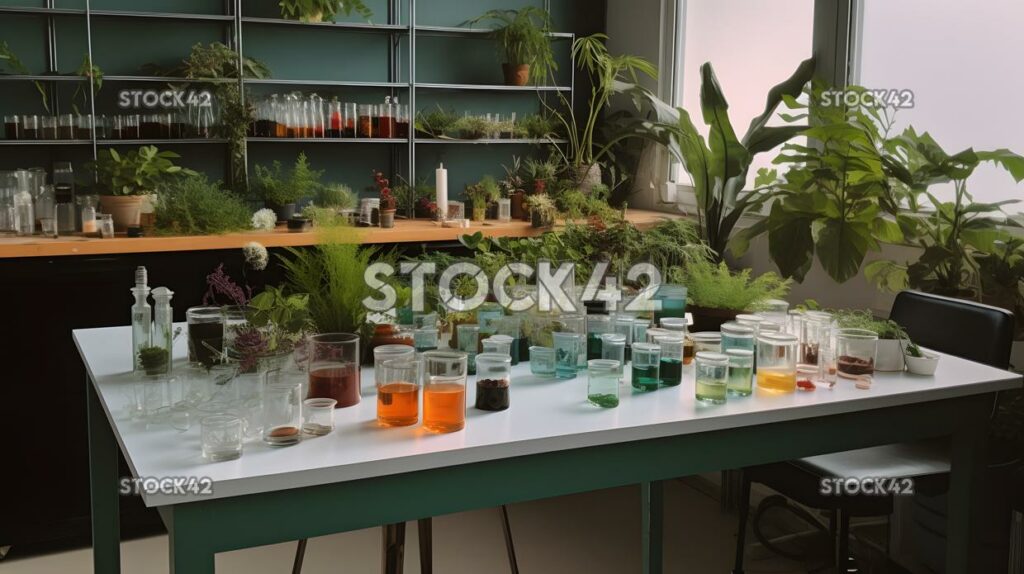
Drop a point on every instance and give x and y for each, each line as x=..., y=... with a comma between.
x=142, y=317
x=163, y=325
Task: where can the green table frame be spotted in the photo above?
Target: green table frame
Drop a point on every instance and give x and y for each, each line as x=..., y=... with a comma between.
x=199, y=529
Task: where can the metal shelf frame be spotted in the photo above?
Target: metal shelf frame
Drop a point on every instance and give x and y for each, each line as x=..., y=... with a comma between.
x=400, y=24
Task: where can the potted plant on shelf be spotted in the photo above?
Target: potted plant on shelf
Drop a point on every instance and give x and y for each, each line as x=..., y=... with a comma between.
x=472, y=127
x=387, y=200
x=322, y=10
x=125, y=178
x=542, y=210
x=281, y=191
x=513, y=186
x=715, y=294
x=524, y=40
x=482, y=194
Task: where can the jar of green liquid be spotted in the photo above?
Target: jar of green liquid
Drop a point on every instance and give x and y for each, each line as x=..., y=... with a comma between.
x=646, y=367
x=671, y=368
x=741, y=372
x=597, y=326
x=712, y=376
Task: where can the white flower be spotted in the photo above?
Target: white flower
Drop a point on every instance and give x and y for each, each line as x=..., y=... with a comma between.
x=256, y=255
x=264, y=220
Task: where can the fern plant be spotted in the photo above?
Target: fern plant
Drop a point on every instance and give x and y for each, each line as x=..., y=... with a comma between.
x=715, y=286
x=524, y=39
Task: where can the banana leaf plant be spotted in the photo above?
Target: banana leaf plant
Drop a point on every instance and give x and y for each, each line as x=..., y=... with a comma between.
x=719, y=166
x=836, y=200
x=956, y=237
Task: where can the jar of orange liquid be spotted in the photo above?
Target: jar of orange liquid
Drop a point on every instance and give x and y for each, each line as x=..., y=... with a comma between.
x=398, y=392
x=776, y=362
x=444, y=391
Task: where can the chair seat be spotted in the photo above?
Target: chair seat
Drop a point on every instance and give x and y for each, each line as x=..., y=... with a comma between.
x=890, y=461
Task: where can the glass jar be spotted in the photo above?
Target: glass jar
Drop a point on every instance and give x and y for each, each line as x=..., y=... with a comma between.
x=493, y=379
x=221, y=436
x=501, y=344
x=511, y=326
x=282, y=411
x=364, y=127
x=671, y=368
x=425, y=339
x=712, y=377
x=613, y=346
x=737, y=336
x=106, y=226
x=504, y=209
x=855, y=352
x=741, y=371
x=680, y=325
x=776, y=362
x=318, y=416
x=350, y=115
x=815, y=333
x=707, y=341
x=622, y=323
x=334, y=368
x=567, y=353
x=487, y=317
x=469, y=334
x=646, y=367
x=673, y=301
x=383, y=353
x=444, y=391
x=205, y=335
x=776, y=311
x=597, y=327
x=542, y=361
x=398, y=390
x=751, y=320
x=603, y=377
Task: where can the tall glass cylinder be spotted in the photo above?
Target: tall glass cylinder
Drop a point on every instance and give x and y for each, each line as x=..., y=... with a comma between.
x=567, y=352
x=444, y=391
x=364, y=126
x=712, y=377
x=603, y=382
x=646, y=367
x=205, y=335
x=776, y=362
x=613, y=347
x=597, y=327
x=671, y=367
x=334, y=368
x=493, y=380
x=469, y=334
x=398, y=391
x=741, y=371
x=815, y=333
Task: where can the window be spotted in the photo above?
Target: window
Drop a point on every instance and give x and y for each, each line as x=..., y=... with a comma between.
x=961, y=62
x=752, y=44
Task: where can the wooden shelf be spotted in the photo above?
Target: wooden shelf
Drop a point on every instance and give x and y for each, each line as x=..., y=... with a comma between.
x=405, y=231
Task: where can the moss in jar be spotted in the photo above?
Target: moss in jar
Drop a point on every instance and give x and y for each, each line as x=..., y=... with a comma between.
x=153, y=360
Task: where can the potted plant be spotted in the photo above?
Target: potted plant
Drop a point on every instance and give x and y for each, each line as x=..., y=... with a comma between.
x=436, y=123
x=889, y=353
x=125, y=178
x=920, y=361
x=472, y=127
x=281, y=190
x=524, y=40
x=513, y=187
x=482, y=194
x=321, y=10
x=542, y=210
x=387, y=200
x=716, y=294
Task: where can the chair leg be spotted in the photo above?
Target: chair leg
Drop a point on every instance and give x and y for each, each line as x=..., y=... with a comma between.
x=744, y=512
x=300, y=555
x=425, y=529
x=509, y=546
x=843, y=540
x=393, y=548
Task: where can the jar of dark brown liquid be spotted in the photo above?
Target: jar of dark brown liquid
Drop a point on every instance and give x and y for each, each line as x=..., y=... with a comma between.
x=493, y=379
x=334, y=368
x=366, y=121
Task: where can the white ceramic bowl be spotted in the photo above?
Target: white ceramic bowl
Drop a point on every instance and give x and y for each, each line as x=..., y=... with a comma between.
x=924, y=365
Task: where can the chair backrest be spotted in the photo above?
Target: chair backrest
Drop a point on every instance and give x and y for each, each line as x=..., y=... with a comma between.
x=970, y=330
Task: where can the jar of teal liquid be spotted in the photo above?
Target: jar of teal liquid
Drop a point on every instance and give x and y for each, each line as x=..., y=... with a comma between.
x=671, y=367
x=597, y=326
x=737, y=336
x=646, y=367
x=673, y=301
x=567, y=352
x=542, y=361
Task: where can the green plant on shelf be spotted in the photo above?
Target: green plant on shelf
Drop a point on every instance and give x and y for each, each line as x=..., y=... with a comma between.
x=135, y=172
x=537, y=126
x=279, y=188
x=542, y=209
x=714, y=286
x=94, y=74
x=195, y=206
x=8, y=57
x=335, y=196
x=483, y=193
x=472, y=127
x=523, y=39
x=435, y=123
x=322, y=10
x=408, y=196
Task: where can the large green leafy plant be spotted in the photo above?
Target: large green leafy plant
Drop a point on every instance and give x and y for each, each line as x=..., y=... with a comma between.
x=956, y=236
x=279, y=187
x=136, y=172
x=524, y=39
x=322, y=10
x=836, y=200
x=718, y=166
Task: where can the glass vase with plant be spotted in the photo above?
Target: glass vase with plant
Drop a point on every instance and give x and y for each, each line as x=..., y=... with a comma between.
x=482, y=193
x=891, y=336
x=322, y=10
x=525, y=43
x=716, y=294
x=124, y=178
x=154, y=360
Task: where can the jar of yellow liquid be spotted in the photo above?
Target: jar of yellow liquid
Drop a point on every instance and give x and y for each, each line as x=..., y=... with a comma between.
x=776, y=362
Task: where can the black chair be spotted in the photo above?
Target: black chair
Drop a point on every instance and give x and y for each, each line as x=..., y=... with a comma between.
x=973, y=331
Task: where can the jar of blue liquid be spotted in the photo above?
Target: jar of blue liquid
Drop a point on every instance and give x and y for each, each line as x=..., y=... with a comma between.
x=567, y=354
x=646, y=367
x=542, y=361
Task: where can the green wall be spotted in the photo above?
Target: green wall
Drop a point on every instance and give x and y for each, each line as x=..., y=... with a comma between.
x=121, y=45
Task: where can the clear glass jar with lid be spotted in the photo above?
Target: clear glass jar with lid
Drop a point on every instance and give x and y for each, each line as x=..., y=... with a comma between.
x=776, y=362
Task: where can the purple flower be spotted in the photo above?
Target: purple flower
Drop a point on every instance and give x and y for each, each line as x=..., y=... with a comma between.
x=220, y=283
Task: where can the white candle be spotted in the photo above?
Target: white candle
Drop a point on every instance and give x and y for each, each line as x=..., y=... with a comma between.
x=441, y=176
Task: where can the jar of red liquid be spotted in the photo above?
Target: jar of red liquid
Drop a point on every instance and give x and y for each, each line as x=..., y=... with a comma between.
x=317, y=124
x=366, y=120
x=401, y=121
x=349, y=118
x=336, y=119
x=334, y=368
x=386, y=119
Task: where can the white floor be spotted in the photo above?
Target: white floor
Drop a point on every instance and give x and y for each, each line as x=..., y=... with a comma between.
x=593, y=533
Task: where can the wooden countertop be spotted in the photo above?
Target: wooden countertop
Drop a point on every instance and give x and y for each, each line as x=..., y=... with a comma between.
x=405, y=231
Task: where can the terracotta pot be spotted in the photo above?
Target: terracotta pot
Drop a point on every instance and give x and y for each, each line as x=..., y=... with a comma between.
x=705, y=319
x=517, y=205
x=124, y=209
x=387, y=218
x=588, y=176
x=516, y=74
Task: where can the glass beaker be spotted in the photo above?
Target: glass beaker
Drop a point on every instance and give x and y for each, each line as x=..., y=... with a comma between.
x=671, y=368
x=398, y=391
x=736, y=336
x=383, y=353
x=205, y=335
x=493, y=380
x=468, y=334
x=646, y=367
x=710, y=341
x=501, y=344
x=603, y=382
x=855, y=350
x=334, y=368
x=542, y=361
x=444, y=391
x=597, y=327
x=282, y=410
x=613, y=347
x=221, y=437
x=318, y=416
x=712, y=377
x=776, y=362
x=425, y=339
x=741, y=371
x=567, y=352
